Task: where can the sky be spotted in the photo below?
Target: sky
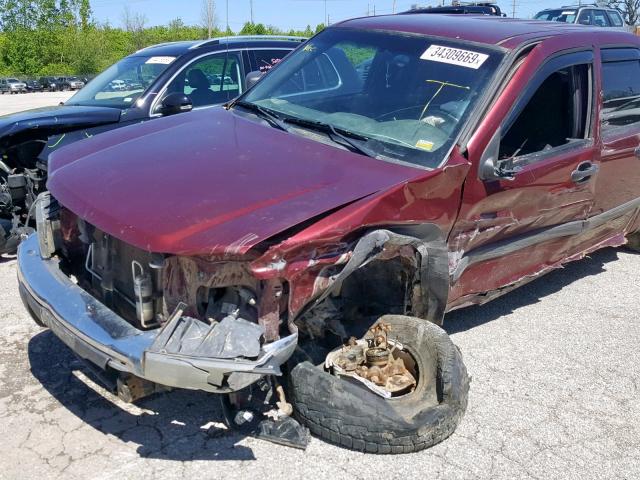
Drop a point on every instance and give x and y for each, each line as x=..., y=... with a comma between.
x=286, y=14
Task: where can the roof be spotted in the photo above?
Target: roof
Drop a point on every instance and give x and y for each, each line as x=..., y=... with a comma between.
x=582, y=7
x=180, y=48
x=486, y=29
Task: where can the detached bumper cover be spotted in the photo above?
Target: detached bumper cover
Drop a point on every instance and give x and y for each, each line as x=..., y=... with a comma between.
x=97, y=334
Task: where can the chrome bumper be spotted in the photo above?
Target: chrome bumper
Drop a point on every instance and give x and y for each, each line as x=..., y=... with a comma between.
x=97, y=334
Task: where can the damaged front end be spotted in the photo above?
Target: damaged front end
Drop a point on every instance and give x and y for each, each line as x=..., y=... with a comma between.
x=193, y=323
x=220, y=322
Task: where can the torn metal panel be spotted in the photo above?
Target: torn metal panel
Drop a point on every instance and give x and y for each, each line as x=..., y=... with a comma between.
x=182, y=277
x=431, y=266
x=270, y=305
x=231, y=338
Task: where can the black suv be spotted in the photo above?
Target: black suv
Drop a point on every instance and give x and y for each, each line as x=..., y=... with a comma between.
x=50, y=84
x=157, y=81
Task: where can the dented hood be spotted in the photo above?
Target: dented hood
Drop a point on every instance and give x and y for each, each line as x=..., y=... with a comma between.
x=58, y=119
x=209, y=182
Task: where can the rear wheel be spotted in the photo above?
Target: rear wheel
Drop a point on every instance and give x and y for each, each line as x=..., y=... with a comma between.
x=348, y=414
x=633, y=241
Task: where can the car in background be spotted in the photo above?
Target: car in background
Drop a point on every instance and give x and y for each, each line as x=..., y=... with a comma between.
x=50, y=84
x=591, y=15
x=12, y=85
x=71, y=83
x=470, y=8
x=152, y=83
x=33, y=86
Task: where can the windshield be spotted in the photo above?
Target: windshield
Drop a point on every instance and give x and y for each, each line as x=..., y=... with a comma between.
x=400, y=97
x=13, y=80
x=120, y=85
x=566, y=16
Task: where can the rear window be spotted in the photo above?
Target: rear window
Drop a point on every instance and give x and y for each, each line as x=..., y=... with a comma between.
x=265, y=60
x=560, y=15
x=621, y=94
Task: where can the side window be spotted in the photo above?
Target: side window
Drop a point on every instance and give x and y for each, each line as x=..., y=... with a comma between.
x=557, y=114
x=586, y=17
x=621, y=94
x=615, y=18
x=265, y=60
x=600, y=18
x=211, y=80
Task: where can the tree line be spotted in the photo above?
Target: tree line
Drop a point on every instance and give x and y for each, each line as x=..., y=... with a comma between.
x=61, y=37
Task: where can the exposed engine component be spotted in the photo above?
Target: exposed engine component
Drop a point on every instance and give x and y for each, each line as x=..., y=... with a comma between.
x=215, y=304
x=376, y=361
x=143, y=290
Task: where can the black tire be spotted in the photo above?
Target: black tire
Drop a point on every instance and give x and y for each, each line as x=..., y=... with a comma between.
x=633, y=242
x=352, y=416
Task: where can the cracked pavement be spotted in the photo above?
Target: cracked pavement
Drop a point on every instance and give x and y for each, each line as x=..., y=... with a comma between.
x=555, y=367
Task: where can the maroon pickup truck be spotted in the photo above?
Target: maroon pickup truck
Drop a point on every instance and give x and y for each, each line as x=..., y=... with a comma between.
x=308, y=238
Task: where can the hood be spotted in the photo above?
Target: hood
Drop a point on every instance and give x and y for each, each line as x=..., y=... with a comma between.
x=209, y=182
x=56, y=119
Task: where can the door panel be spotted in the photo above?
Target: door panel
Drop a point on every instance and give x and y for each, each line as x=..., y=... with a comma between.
x=510, y=229
x=617, y=194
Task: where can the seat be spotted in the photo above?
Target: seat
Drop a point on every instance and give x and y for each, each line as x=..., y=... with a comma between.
x=201, y=95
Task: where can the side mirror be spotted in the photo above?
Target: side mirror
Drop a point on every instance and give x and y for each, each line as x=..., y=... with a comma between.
x=252, y=78
x=176, y=103
x=491, y=167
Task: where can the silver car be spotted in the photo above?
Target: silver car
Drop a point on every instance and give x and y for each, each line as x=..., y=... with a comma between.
x=12, y=85
x=593, y=15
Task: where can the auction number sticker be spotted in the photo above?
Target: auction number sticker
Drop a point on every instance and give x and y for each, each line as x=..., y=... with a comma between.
x=160, y=60
x=455, y=56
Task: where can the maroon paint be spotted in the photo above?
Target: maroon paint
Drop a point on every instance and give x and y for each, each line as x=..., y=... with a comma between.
x=211, y=182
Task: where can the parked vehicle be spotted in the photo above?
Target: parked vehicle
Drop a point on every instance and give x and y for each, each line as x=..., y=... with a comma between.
x=149, y=84
x=586, y=14
x=33, y=85
x=70, y=83
x=467, y=8
x=50, y=84
x=341, y=219
x=12, y=85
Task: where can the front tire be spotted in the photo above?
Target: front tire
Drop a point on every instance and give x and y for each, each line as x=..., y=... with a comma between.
x=352, y=416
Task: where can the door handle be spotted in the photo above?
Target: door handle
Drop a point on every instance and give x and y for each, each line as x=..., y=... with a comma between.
x=584, y=172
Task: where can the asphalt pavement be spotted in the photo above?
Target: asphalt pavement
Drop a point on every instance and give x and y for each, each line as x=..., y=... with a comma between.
x=555, y=368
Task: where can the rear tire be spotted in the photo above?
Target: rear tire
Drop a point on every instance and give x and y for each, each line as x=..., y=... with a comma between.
x=352, y=416
x=633, y=242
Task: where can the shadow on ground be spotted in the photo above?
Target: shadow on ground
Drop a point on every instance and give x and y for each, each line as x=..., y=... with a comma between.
x=174, y=425
x=468, y=318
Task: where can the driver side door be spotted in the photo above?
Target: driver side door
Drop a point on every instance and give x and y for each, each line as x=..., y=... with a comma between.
x=516, y=224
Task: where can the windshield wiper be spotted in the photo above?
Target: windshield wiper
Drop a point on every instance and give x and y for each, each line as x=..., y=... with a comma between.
x=344, y=135
x=273, y=119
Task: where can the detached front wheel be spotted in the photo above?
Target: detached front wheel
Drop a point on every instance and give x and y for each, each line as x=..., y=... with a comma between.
x=346, y=412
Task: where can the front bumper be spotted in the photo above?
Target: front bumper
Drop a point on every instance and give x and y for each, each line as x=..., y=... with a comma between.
x=99, y=335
